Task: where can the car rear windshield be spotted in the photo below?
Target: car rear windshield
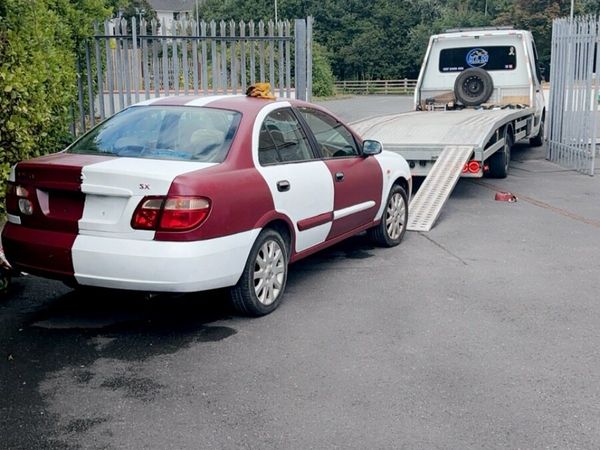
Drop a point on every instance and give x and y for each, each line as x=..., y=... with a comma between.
x=163, y=132
x=489, y=58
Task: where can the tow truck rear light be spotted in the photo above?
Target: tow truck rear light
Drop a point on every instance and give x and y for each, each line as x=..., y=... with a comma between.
x=170, y=213
x=474, y=166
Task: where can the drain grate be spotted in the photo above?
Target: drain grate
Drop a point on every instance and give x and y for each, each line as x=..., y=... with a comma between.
x=426, y=205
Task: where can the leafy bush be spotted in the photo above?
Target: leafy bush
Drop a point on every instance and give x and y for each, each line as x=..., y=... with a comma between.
x=322, y=75
x=38, y=51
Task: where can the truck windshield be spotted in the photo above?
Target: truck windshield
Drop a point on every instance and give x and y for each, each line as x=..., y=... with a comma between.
x=488, y=58
x=163, y=132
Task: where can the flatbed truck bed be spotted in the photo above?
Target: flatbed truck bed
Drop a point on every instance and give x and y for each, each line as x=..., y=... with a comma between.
x=421, y=136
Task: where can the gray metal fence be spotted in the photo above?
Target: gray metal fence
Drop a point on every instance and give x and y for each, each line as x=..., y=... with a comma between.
x=127, y=62
x=573, y=111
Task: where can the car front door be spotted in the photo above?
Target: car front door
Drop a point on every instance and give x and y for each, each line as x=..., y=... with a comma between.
x=299, y=182
x=358, y=180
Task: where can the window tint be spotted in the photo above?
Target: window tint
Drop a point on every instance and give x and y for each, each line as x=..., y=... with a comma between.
x=488, y=58
x=180, y=133
x=334, y=139
x=282, y=140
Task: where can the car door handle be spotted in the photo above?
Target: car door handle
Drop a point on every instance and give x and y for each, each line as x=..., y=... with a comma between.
x=283, y=186
x=339, y=176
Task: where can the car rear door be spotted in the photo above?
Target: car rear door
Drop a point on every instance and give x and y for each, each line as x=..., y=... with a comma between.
x=357, y=180
x=299, y=182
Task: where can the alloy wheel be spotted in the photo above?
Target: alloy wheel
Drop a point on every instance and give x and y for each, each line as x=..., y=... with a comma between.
x=269, y=272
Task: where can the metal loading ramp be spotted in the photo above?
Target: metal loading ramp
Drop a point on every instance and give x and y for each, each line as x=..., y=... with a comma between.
x=425, y=207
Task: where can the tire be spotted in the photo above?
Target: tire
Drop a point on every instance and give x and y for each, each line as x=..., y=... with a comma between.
x=538, y=140
x=5, y=280
x=473, y=87
x=500, y=161
x=392, y=227
x=268, y=254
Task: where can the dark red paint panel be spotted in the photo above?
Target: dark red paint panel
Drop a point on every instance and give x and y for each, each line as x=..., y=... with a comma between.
x=39, y=251
x=362, y=182
x=239, y=200
x=54, y=183
x=315, y=221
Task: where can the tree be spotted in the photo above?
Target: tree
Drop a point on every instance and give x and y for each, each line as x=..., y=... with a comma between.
x=127, y=9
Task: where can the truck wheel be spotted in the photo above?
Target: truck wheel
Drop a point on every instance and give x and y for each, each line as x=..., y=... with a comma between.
x=392, y=227
x=500, y=161
x=538, y=140
x=473, y=86
x=260, y=289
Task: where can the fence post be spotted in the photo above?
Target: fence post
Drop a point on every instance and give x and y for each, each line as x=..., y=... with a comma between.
x=309, y=61
x=80, y=93
x=300, y=58
x=90, y=86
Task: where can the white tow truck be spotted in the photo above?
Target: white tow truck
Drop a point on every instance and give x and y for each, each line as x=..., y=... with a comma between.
x=479, y=91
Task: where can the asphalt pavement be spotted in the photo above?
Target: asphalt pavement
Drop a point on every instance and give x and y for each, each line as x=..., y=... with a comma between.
x=483, y=333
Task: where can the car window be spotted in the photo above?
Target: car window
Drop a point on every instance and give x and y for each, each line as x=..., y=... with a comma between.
x=282, y=139
x=179, y=133
x=334, y=139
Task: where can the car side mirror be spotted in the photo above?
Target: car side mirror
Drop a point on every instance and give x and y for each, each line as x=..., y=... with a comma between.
x=371, y=147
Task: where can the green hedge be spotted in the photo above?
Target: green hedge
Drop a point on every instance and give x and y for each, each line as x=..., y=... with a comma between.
x=38, y=51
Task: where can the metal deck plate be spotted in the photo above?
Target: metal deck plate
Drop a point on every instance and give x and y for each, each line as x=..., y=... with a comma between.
x=425, y=207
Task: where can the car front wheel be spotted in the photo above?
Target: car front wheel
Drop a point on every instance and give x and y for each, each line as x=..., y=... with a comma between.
x=261, y=286
x=392, y=227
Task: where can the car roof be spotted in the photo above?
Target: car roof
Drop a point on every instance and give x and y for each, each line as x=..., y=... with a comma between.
x=241, y=103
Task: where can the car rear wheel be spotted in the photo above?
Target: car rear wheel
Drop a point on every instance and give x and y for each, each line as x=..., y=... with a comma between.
x=260, y=289
x=392, y=227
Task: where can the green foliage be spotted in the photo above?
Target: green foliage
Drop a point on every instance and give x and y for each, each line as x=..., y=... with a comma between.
x=38, y=42
x=134, y=8
x=386, y=38
x=322, y=75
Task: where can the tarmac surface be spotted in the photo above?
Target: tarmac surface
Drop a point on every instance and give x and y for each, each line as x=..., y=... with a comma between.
x=483, y=333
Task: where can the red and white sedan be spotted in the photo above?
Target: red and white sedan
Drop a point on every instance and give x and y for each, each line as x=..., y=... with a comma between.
x=185, y=194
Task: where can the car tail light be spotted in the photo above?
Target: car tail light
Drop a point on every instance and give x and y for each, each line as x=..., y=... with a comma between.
x=465, y=168
x=170, y=213
x=474, y=166
x=147, y=213
x=184, y=213
x=17, y=200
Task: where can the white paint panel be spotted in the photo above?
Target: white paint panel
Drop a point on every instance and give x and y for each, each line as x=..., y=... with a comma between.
x=209, y=99
x=148, y=102
x=161, y=266
x=311, y=188
x=115, y=187
x=393, y=166
x=345, y=212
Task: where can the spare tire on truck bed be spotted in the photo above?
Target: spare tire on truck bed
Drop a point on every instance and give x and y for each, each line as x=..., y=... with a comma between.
x=473, y=87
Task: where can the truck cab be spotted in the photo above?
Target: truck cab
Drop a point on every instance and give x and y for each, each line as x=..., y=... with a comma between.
x=505, y=69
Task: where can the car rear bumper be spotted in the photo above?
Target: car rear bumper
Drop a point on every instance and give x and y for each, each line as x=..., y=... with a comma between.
x=156, y=266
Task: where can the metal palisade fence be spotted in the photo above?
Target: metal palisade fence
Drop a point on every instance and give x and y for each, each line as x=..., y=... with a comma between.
x=128, y=62
x=573, y=111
